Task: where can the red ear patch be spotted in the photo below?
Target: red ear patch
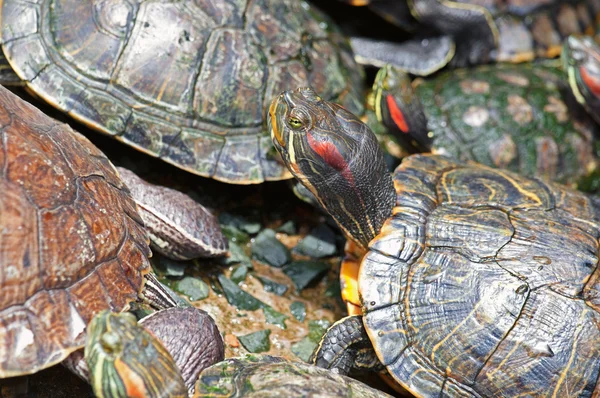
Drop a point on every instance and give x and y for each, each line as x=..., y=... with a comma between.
x=396, y=113
x=591, y=82
x=332, y=156
x=329, y=152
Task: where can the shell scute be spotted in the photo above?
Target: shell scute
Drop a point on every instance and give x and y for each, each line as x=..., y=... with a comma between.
x=160, y=62
x=19, y=250
x=553, y=348
x=90, y=38
x=62, y=228
x=233, y=71
x=34, y=164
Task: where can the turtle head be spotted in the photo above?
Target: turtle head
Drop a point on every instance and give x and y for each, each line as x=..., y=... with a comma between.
x=399, y=109
x=337, y=157
x=581, y=60
x=125, y=360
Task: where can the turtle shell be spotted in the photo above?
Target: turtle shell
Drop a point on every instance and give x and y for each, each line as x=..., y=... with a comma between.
x=71, y=240
x=186, y=81
x=485, y=283
x=519, y=117
x=269, y=376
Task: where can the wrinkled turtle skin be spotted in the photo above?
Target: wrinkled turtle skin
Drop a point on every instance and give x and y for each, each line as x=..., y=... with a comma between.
x=71, y=240
x=471, y=281
x=521, y=117
x=185, y=81
x=269, y=376
x=178, y=226
x=486, y=31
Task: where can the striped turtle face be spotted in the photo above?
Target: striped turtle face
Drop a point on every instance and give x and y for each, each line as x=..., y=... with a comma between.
x=125, y=360
x=337, y=157
x=581, y=60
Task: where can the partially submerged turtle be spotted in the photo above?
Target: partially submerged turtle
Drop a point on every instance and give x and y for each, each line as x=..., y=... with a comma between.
x=519, y=117
x=161, y=356
x=268, y=376
x=465, y=280
x=71, y=240
x=185, y=81
x=472, y=32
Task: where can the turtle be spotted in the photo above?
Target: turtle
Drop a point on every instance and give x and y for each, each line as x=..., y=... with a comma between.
x=581, y=61
x=185, y=81
x=472, y=32
x=522, y=117
x=162, y=355
x=463, y=280
x=72, y=242
x=270, y=376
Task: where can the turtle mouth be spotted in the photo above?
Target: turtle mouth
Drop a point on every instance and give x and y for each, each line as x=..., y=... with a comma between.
x=277, y=109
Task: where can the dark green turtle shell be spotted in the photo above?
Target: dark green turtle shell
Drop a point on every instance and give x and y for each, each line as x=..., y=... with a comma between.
x=519, y=117
x=184, y=81
x=485, y=283
x=268, y=376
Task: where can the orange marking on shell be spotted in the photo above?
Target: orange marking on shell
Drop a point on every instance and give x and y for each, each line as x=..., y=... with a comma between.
x=397, y=115
x=590, y=81
x=349, y=281
x=134, y=384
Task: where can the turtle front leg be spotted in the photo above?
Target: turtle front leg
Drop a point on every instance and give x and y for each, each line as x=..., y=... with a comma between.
x=346, y=346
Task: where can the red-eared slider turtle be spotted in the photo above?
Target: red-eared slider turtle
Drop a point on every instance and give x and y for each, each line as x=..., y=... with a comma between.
x=186, y=81
x=581, y=60
x=71, y=240
x=476, y=31
x=161, y=356
x=521, y=117
x=473, y=281
x=268, y=376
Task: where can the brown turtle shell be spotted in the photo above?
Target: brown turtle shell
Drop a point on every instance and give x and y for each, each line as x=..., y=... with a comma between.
x=71, y=240
x=186, y=81
x=484, y=283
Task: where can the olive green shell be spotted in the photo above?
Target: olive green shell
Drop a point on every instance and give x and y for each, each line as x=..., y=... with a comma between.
x=519, y=117
x=186, y=81
x=71, y=240
x=485, y=283
x=268, y=376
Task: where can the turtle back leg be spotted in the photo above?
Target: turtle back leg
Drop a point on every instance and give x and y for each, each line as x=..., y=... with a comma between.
x=346, y=346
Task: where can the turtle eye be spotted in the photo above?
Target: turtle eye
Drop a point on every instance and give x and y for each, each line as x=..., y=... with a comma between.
x=295, y=123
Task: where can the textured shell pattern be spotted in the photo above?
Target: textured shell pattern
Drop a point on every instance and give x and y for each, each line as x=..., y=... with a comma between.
x=71, y=240
x=186, y=81
x=485, y=283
